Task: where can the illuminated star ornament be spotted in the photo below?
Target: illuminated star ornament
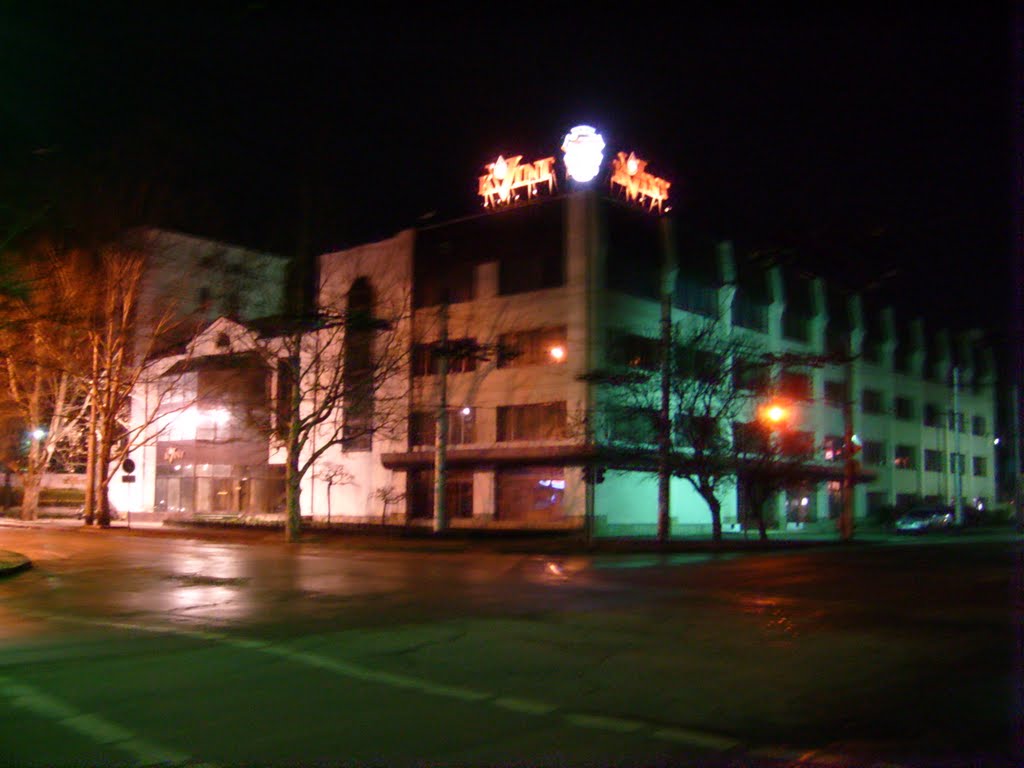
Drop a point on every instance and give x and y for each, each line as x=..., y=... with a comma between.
x=508, y=179
x=639, y=186
x=584, y=150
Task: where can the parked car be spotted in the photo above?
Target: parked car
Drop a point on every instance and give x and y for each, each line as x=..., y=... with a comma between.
x=921, y=519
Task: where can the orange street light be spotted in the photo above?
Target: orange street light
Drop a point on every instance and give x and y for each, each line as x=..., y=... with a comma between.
x=774, y=413
x=557, y=353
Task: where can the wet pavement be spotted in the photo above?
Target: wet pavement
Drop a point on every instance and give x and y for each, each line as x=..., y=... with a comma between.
x=232, y=647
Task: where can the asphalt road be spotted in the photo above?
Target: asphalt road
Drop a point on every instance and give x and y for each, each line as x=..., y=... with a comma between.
x=123, y=648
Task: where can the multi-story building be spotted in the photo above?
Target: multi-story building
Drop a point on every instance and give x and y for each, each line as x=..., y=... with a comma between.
x=572, y=284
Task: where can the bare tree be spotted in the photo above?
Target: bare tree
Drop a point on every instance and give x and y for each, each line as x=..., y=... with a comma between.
x=333, y=474
x=40, y=356
x=342, y=382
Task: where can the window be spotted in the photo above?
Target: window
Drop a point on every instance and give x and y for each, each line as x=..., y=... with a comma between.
x=458, y=493
x=797, y=443
x=834, y=448
x=753, y=377
x=462, y=357
x=540, y=421
x=543, y=346
x=905, y=457
x=980, y=466
x=901, y=359
x=700, y=364
x=702, y=433
x=696, y=297
x=461, y=427
x=933, y=460
x=529, y=493
x=747, y=313
x=874, y=453
x=751, y=437
x=872, y=351
x=358, y=371
x=978, y=426
x=453, y=284
x=796, y=386
x=795, y=325
x=634, y=426
x=960, y=422
x=956, y=463
x=835, y=393
x=872, y=401
x=931, y=415
x=904, y=408
x=633, y=351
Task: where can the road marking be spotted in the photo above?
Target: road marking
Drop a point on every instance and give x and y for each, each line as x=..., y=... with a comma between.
x=604, y=722
x=608, y=723
x=697, y=738
x=529, y=706
x=99, y=729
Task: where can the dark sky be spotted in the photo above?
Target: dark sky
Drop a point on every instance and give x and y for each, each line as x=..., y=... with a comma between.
x=867, y=141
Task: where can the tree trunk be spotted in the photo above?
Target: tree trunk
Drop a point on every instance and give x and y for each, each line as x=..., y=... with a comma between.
x=103, y=480
x=761, y=530
x=30, y=498
x=716, y=518
x=90, y=469
x=293, y=521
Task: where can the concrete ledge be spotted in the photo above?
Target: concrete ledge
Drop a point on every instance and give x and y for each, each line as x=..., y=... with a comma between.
x=12, y=562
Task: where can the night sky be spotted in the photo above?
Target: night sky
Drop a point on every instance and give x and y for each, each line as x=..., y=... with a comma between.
x=872, y=144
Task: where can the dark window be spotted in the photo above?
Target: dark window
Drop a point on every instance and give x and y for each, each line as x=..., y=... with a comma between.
x=906, y=457
x=696, y=297
x=634, y=426
x=835, y=393
x=874, y=453
x=796, y=386
x=980, y=466
x=904, y=407
x=702, y=433
x=901, y=359
x=748, y=313
x=751, y=437
x=932, y=415
x=700, y=364
x=540, y=421
x=633, y=351
x=933, y=460
x=796, y=443
x=872, y=401
x=462, y=357
x=956, y=460
x=285, y=392
x=542, y=346
x=357, y=377
x=461, y=427
x=872, y=351
x=458, y=493
x=796, y=326
x=752, y=377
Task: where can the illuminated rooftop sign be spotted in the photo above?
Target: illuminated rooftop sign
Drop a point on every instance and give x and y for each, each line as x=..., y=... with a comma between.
x=639, y=186
x=505, y=177
x=584, y=150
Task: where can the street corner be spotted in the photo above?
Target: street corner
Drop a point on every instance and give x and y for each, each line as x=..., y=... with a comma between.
x=12, y=562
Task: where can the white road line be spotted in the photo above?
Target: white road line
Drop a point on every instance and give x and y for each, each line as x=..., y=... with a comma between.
x=99, y=729
x=365, y=674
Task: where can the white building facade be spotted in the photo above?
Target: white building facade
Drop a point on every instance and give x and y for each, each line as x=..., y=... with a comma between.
x=572, y=284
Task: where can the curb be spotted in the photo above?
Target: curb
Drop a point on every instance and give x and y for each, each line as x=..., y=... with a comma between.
x=13, y=562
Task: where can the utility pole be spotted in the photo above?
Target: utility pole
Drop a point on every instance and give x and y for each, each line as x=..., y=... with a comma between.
x=668, y=280
x=441, y=436
x=850, y=466
x=958, y=501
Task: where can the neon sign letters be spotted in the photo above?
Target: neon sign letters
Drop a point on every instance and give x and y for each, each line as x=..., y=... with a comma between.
x=504, y=177
x=629, y=173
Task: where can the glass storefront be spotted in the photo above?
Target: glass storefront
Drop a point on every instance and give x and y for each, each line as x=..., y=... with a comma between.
x=222, y=489
x=530, y=494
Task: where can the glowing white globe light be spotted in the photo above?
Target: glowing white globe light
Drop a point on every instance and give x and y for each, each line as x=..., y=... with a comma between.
x=584, y=150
